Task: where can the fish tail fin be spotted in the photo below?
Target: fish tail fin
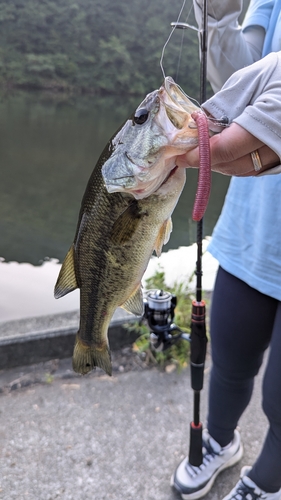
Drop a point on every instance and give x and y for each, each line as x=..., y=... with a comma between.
x=86, y=358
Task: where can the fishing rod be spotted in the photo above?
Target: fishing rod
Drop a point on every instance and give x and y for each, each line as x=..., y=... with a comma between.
x=198, y=320
x=160, y=305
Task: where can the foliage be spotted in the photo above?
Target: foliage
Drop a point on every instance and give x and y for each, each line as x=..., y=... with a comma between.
x=179, y=352
x=96, y=46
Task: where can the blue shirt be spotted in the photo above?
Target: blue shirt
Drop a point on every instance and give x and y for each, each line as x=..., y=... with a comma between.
x=247, y=237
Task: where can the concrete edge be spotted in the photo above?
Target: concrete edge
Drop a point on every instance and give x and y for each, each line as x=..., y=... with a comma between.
x=57, y=343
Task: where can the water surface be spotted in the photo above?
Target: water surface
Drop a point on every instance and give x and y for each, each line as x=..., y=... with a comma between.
x=49, y=144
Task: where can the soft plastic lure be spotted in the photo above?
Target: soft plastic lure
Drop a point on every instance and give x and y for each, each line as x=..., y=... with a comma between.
x=204, y=174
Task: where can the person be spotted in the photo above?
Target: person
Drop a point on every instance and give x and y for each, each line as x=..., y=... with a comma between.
x=246, y=304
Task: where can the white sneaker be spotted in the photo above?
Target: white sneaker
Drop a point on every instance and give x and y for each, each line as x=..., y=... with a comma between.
x=194, y=482
x=246, y=489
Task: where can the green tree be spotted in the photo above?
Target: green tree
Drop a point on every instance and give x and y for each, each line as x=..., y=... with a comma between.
x=100, y=46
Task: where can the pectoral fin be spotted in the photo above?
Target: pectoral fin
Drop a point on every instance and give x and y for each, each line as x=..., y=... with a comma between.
x=134, y=304
x=66, y=281
x=126, y=225
x=163, y=236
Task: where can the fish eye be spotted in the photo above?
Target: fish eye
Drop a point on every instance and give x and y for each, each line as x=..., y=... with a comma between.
x=141, y=116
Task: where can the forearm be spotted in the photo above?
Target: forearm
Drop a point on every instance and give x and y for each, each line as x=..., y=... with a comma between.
x=229, y=49
x=251, y=98
x=231, y=153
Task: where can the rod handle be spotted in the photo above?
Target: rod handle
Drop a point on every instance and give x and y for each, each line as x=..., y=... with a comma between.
x=195, y=444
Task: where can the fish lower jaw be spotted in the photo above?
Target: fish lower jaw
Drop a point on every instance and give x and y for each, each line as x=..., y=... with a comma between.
x=114, y=188
x=126, y=184
x=167, y=179
x=153, y=187
x=172, y=172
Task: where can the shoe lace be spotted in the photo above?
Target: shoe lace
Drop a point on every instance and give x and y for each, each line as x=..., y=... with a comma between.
x=208, y=456
x=244, y=492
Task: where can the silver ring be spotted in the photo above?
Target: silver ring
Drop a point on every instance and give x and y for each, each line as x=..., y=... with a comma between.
x=256, y=160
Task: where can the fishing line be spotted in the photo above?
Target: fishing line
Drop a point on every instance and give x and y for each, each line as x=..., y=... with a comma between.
x=182, y=37
x=183, y=26
x=179, y=58
x=186, y=95
x=168, y=39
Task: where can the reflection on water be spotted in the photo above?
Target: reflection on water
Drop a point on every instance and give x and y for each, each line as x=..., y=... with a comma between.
x=27, y=291
x=48, y=148
x=49, y=145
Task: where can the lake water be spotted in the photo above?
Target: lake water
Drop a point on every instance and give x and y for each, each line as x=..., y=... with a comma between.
x=49, y=144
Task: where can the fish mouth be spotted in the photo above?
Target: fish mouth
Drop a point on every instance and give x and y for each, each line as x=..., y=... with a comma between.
x=178, y=105
x=171, y=173
x=138, y=192
x=171, y=93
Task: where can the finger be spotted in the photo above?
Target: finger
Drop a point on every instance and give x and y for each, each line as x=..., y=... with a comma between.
x=231, y=144
x=189, y=159
x=240, y=168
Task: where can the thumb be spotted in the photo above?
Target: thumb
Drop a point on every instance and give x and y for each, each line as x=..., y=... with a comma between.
x=189, y=159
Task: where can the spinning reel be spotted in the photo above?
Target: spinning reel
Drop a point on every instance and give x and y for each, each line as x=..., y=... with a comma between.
x=159, y=312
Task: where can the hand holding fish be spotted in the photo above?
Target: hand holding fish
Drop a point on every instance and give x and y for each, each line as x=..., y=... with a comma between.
x=249, y=98
x=231, y=153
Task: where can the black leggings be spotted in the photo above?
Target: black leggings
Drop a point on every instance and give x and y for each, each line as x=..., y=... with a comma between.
x=243, y=324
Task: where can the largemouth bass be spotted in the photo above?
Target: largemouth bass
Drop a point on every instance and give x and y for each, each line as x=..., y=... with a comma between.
x=118, y=231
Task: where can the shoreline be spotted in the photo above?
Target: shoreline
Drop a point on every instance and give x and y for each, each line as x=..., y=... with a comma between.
x=27, y=338
x=27, y=290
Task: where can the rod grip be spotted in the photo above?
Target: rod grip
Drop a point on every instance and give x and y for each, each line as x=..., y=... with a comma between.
x=198, y=344
x=197, y=376
x=195, y=445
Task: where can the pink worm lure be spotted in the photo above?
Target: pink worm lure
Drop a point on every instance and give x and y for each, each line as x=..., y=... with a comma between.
x=204, y=173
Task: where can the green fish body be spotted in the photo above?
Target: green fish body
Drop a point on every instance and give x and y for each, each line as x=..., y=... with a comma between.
x=118, y=231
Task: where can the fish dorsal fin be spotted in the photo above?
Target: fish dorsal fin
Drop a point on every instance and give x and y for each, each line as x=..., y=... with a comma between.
x=163, y=236
x=134, y=304
x=66, y=281
x=127, y=223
